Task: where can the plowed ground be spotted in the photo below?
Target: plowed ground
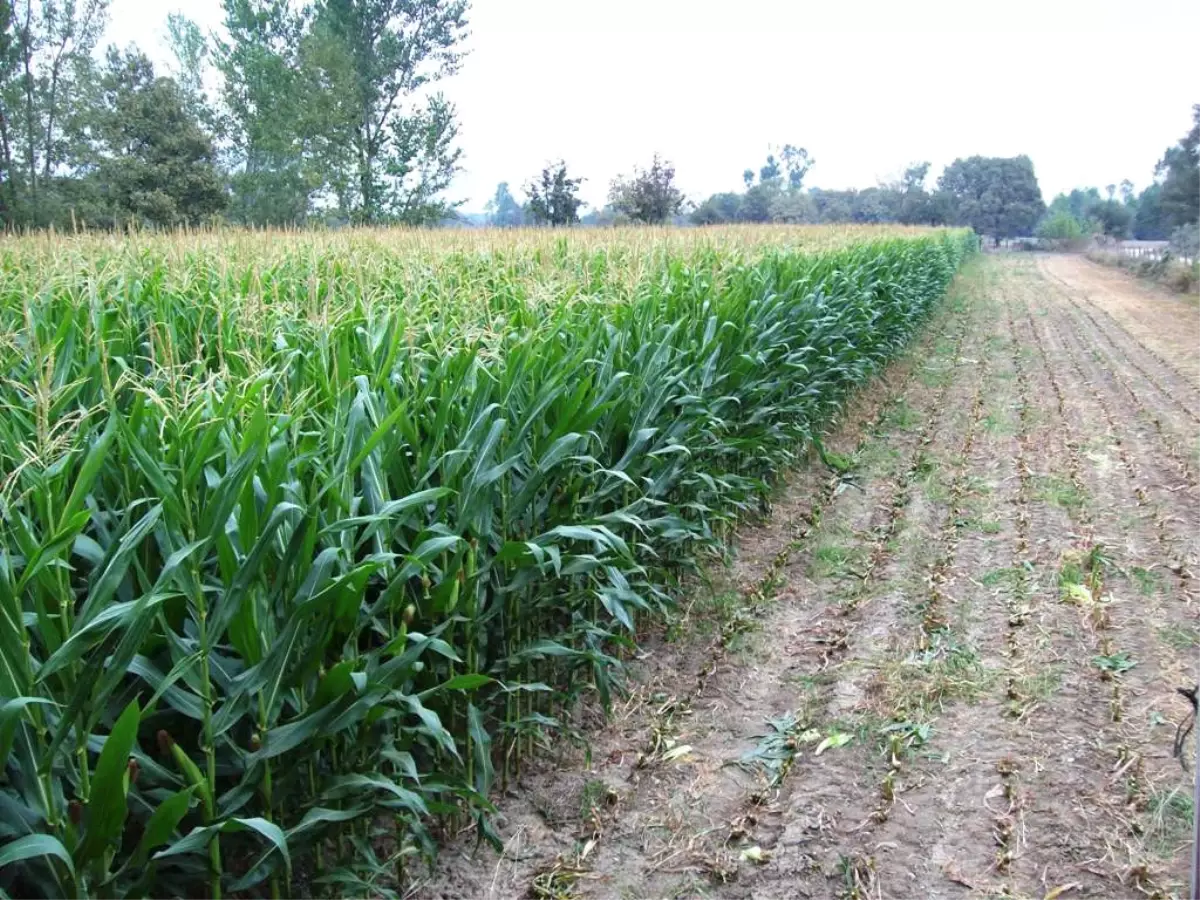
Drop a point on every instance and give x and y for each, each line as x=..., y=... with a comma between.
x=948, y=671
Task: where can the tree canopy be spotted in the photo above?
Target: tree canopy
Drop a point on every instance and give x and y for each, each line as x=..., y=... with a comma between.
x=1180, y=168
x=324, y=107
x=648, y=195
x=993, y=195
x=781, y=197
x=154, y=163
x=503, y=210
x=553, y=196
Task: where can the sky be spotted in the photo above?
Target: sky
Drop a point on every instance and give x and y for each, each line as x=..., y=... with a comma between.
x=1092, y=90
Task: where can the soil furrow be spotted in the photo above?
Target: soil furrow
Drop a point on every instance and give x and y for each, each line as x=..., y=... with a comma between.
x=1117, y=343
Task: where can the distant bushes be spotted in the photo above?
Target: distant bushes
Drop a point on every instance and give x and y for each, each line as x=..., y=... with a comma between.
x=1168, y=270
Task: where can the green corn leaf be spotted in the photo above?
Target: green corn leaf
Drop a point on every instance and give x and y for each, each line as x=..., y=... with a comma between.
x=48, y=553
x=481, y=748
x=162, y=823
x=433, y=725
x=353, y=785
x=468, y=681
x=107, y=806
x=105, y=584
x=33, y=846
x=10, y=715
x=93, y=461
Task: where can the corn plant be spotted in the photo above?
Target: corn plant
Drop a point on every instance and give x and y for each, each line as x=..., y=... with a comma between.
x=301, y=537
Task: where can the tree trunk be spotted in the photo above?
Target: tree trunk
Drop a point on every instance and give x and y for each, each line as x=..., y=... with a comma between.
x=27, y=59
x=50, y=124
x=8, y=211
x=366, y=183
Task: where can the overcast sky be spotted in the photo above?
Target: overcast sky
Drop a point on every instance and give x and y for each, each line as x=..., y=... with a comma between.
x=1092, y=90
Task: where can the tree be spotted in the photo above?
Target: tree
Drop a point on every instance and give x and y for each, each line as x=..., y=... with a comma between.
x=45, y=63
x=770, y=169
x=913, y=204
x=190, y=48
x=914, y=177
x=993, y=195
x=1148, y=222
x=794, y=207
x=376, y=58
x=872, y=206
x=1112, y=217
x=760, y=201
x=718, y=208
x=552, y=196
x=1180, y=198
x=834, y=206
x=606, y=216
x=649, y=195
x=284, y=139
x=796, y=162
x=503, y=211
x=1060, y=225
x=8, y=68
x=1078, y=203
x=156, y=164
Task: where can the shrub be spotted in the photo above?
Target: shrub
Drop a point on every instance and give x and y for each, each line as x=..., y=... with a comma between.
x=1061, y=226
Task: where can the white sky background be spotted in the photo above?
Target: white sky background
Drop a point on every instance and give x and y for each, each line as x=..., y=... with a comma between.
x=1092, y=90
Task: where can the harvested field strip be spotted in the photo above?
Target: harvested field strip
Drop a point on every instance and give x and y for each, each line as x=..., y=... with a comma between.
x=1118, y=345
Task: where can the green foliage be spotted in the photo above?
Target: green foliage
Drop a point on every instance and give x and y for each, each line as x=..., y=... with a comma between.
x=333, y=96
x=503, y=210
x=307, y=538
x=1112, y=218
x=85, y=143
x=1077, y=204
x=916, y=206
x=273, y=112
x=759, y=201
x=649, y=195
x=718, y=208
x=1185, y=241
x=993, y=195
x=376, y=57
x=191, y=50
x=1149, y=223
x=156, y=166
x=553, y=196
x=796, y=163
x=1091, y=213
x=46, y=78
x=1180, y=166
x=1061, y=225
x=777, y=198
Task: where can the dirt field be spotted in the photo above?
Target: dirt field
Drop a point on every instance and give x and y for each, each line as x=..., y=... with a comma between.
x=949, y=671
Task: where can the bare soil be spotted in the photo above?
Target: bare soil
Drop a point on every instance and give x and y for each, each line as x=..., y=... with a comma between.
x=949, y=671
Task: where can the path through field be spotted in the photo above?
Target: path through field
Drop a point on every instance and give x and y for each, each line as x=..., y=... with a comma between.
x=949, y=671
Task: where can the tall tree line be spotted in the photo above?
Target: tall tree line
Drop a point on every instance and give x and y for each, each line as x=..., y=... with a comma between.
x=993, y=195
x=325, y=108
x=1167, y=209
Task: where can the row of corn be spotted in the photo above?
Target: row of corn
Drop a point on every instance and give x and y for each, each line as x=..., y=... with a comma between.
x=306, y=543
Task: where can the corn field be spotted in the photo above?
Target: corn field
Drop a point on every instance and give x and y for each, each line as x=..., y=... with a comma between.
x=308, y=541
